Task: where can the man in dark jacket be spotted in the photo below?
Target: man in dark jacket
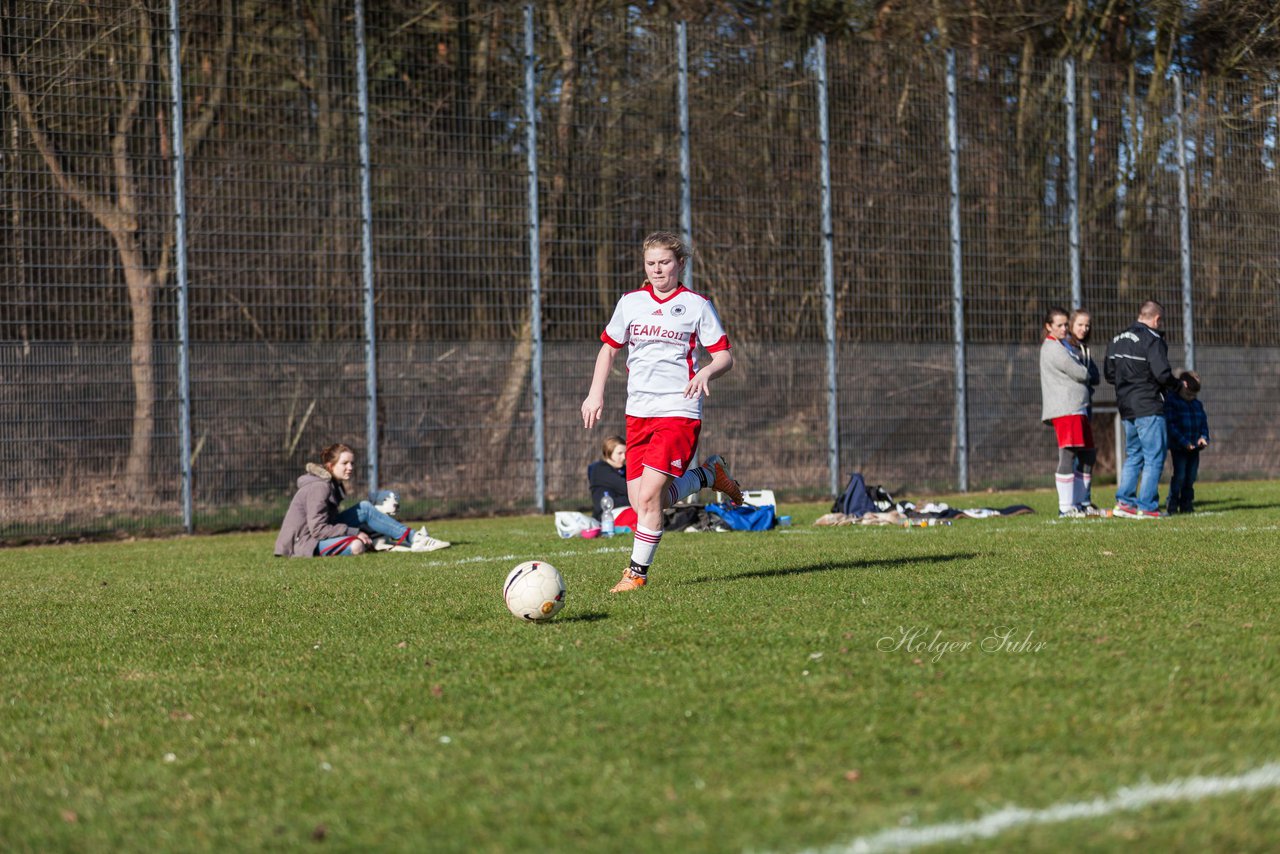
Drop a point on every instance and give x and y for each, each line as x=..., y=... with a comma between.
x=1138, y=366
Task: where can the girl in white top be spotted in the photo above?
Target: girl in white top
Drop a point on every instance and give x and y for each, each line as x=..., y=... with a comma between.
x=1066, y=385
x=662, y=325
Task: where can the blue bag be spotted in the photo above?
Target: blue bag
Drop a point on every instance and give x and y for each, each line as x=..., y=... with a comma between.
x=854, y=501
x=745, y=517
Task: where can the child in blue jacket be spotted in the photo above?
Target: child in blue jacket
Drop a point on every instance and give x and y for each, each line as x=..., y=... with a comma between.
x=1188, y=428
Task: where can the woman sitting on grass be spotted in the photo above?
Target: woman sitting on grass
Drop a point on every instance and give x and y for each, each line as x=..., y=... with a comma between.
x=609, y=475
x=314, y=527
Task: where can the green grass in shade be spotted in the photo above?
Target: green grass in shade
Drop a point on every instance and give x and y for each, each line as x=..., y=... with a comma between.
x=198, y=694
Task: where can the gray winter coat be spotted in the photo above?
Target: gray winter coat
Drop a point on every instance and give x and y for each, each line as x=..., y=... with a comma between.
x=1066, y=385
x=311, y=514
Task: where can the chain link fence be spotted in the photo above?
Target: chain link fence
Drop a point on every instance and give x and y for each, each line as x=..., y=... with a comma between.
x=205, y=260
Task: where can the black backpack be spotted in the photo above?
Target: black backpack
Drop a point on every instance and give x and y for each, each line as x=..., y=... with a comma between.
x=682, y=517
x=880, y=498
x=854, y=501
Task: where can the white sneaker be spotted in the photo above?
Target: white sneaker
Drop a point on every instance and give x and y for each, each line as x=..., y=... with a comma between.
x=424, y=542
x=386, y=544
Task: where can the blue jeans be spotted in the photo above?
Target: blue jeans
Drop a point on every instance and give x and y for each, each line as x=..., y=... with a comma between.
x=1145, y=443
x=371, y=520
x=1182, y=483
x=367, y=518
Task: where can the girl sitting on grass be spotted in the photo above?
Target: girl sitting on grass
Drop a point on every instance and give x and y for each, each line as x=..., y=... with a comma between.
x=313, y=527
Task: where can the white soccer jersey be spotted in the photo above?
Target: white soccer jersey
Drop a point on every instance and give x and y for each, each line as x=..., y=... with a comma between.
x=663, y=333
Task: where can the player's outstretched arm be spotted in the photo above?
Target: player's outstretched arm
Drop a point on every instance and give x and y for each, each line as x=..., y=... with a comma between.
x=593, y=406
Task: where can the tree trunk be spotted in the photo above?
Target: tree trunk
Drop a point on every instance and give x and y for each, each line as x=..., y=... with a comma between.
x=611, y=154
x=121, y=217
x=568, y=36
x=141, y=285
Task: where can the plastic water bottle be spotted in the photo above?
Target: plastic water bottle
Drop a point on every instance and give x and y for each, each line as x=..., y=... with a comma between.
x=606, y=515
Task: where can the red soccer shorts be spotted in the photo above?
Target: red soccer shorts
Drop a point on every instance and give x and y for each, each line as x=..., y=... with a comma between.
x=1074, y=431
x=662, y=444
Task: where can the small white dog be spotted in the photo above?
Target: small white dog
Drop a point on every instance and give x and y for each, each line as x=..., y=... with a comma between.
x=386, y=501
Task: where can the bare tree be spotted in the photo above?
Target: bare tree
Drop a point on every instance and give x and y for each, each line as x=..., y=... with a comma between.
x=143, y=236
x=570, y=25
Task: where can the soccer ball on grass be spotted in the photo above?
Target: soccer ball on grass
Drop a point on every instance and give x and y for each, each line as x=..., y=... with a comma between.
x=534, y=590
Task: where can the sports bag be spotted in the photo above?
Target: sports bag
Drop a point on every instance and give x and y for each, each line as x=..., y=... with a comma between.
x=854, y=501
x=744, y=517
x=571, y=523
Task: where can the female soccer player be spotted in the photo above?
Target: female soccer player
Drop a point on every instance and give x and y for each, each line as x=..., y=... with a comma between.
x=1066, y=385
x=1078, y=328
x=662, y=324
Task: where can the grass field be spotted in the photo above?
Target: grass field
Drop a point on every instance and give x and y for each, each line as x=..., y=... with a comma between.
x=797, y=689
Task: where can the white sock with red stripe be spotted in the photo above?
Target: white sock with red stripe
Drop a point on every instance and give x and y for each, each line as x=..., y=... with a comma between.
x=1066, y=490
x=645, y=545
x=689, y=483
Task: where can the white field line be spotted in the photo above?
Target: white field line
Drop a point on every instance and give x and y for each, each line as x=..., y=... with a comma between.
x=600, y=550
x=784, y=531
x=1122, y=800
x=507, y=558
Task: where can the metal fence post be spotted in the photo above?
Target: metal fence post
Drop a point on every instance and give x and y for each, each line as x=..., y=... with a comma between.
x=686, y=167
x=1073, y=183
x=1184, y=231
x=535, y=262
x=366, y=248
x=957, y=280
x=828, y=267
x=180, y=264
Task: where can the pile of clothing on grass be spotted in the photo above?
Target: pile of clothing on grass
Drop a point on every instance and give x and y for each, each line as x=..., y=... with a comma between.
x=861, y=504
x=757, y=513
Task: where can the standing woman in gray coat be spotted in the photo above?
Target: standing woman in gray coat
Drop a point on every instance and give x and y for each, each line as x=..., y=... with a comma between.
x=1067, y=378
